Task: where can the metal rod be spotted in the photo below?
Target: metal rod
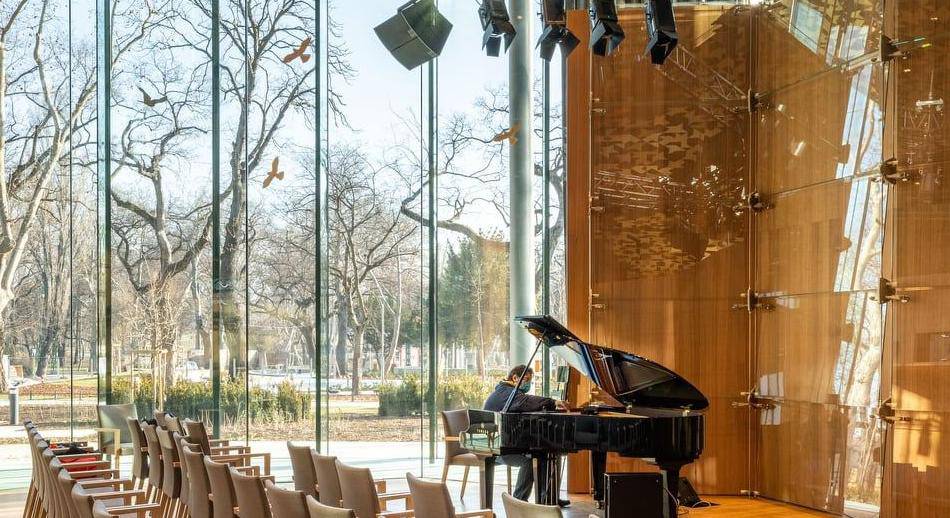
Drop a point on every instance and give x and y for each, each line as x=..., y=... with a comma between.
x=103, y=198
x=215, y=218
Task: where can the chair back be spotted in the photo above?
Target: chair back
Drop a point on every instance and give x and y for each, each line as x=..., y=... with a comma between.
x=82, y=501
x=179, y=443
x=198, y=434
x=173, y=424
x=318, y=510
x=114, y=416
x=199, y=487
x=286, y=503
x=139, y=456
x=171, y=474
x=219, y=478
x=454, y=422
x=251, y=498
x=515, y=508
x=66, y=484
x=301, y=461
x=430, y=499
x=359, y=491
x=155, y=467
x=159, y=416
x=328, y=478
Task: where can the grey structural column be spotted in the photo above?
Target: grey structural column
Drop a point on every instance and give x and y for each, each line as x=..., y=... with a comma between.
x=521, y=256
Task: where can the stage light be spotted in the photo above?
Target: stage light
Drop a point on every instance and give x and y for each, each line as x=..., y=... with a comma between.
x=555, y=32
x=606, y=34
x=416, y=34
x=497, y=26
x=661, y=26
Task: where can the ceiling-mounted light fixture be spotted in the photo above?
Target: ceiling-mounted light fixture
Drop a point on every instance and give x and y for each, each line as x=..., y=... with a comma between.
x=497, y=26
x=661, y=26
x=555, y=33
x=606, y=33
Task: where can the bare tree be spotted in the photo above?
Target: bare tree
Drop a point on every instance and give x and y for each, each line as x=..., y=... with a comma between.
x=369, y=233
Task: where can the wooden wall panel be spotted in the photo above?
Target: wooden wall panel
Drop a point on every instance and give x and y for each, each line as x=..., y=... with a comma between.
x=919, y=255
x=667, y=251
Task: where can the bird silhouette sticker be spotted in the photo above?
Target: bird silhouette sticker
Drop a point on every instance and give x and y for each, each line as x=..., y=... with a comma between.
x=273, y=173
x=299, y=52
x=510, y=134
x=147, y=99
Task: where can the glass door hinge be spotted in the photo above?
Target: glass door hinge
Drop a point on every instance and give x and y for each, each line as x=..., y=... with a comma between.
x=749, y=492
x=753, y=301
x=752, y=202
x=887, y=292
x=593, y=301
x=889, y=173
x=754, y=401
x=888, y=414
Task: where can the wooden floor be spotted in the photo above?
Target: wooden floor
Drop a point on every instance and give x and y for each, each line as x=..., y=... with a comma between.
x=731, y=506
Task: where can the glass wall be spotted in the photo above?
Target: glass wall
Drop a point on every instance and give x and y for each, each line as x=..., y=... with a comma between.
x=273, y=227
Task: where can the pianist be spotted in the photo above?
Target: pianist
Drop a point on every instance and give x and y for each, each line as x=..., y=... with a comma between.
x=522, y=402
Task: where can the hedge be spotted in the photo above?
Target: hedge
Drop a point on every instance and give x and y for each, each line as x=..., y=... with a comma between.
x=455, y=391
x=193, y=398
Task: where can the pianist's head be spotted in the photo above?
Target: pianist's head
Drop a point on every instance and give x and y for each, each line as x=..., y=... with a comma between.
x=515, y=373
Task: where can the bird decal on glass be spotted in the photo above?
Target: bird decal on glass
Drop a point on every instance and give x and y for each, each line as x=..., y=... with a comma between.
x=149, y=101
x=299, y=52
x=273, y=173
x=510, y=134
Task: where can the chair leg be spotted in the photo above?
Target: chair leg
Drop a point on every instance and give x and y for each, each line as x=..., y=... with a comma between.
x=464, y=482
x=509, y=480
x=445, y=471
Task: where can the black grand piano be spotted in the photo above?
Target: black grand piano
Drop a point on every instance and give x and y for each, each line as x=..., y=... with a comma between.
x=651, y=413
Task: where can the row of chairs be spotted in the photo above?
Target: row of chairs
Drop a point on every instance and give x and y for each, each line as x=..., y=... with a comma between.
x=179, y=472
x=333, y=483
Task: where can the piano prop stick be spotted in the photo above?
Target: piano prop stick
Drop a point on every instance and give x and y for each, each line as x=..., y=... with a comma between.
x=652, y=413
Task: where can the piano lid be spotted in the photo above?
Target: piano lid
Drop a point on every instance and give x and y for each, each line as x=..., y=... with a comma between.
x=632, y=380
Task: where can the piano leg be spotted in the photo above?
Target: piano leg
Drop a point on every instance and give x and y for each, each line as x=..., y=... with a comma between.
x=486, y=482
x=671, y=481
x=598, y=465
x=547, y=481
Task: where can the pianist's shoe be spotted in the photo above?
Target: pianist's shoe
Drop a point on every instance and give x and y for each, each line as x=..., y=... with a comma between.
x=563, y=503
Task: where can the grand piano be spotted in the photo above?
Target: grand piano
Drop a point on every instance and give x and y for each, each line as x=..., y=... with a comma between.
x=649, y=412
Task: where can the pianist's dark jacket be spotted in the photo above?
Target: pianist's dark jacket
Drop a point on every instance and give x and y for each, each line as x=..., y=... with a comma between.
x=521, y=403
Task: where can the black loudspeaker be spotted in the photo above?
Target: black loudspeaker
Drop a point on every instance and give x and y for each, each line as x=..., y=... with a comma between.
x=606, y=33
x=661, y=26
x=634, y=494
x=416, y=34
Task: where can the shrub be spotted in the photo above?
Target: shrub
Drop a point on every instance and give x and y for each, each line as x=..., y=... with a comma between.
x=455, y=391
x=193, y=399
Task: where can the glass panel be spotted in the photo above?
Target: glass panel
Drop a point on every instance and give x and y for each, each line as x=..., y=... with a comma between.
x=278, y=223
x=819, y=140
x=161, y=170
x=475, y=141
x=376, y=263
x=668, y=252
x=920, y=219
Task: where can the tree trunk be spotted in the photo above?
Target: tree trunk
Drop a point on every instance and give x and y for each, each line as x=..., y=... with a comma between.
x=357, y=361
x=342, y=335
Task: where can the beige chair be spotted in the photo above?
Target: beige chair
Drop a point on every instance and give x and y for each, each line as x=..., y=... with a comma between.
x=328, y=480
x=139, y=452
x=250, y=494
x=318, y=510
x=85, y=501
x=113, y=432
x=432, y=500
x=286, y=503
x=515, y=508
x=237, y=455
x=199, y=487
x=222, y=489
x=454, y=422
x=359, y=494
x=305, y=475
